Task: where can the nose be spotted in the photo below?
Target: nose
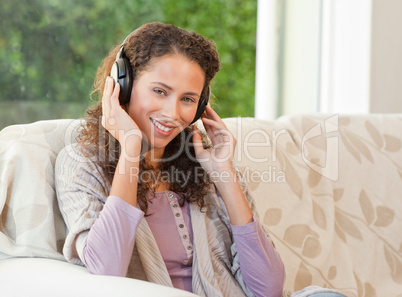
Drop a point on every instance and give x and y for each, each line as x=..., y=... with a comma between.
x=171, y=109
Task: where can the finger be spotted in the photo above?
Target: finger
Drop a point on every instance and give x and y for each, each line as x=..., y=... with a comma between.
x=106, y=88
x=224, y=136
x=213, y=115
x=214, y=124
x=115, y=106
x=197, y=141
x=114, y=100
x=105, y=103
x=216, y=135
x=209, y=130
x=106, y=95
x=108, y=105
x=218, y=132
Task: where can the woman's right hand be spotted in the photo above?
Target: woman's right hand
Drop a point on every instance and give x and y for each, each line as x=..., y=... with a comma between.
x=122, y=127
x=116, y=120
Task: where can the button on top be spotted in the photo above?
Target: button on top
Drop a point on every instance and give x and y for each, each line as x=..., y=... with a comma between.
x=170, y=195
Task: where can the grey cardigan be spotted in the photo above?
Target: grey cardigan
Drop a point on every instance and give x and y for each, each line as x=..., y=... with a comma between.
x=82, y=191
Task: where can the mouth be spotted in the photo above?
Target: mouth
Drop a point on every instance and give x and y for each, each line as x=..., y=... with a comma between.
x=161, y=128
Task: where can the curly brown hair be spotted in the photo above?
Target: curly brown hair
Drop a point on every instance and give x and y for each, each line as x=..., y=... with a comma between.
x=142, y=46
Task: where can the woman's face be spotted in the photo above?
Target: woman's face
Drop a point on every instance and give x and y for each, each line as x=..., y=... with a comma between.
x=165, y=97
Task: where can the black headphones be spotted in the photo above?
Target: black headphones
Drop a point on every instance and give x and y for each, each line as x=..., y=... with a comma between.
x=122, y=73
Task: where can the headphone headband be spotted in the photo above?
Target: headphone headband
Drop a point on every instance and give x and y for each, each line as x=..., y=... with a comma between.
x=129, y=35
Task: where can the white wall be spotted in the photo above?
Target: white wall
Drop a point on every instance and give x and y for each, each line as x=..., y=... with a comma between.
x=345, y=60
x=386, y=57
x=266, y=78
x=326, y=56
x=334, y=56
x=300, y=48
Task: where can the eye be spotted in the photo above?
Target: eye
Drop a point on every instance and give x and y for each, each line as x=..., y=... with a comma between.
x=159, y=91
x=188, y=99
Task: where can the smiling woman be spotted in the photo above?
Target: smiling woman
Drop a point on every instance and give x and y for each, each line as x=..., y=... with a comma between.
x=123, y=197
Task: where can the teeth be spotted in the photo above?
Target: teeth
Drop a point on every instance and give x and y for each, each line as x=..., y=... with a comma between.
x=163, y=128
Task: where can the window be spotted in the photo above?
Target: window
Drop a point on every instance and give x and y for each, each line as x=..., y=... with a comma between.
x=50, y=50
x=316, y=56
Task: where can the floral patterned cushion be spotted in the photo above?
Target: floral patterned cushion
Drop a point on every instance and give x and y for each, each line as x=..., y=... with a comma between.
x=329, y=190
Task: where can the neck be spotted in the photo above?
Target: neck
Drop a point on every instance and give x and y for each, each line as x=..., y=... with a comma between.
x=153, y=157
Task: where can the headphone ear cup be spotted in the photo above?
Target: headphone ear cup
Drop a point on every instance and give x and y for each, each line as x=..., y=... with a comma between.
x=200, y=111
x=114, y=73
x=201, y=107
x=122, y=74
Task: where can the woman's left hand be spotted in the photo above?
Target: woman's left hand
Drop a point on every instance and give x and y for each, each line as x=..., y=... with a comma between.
x=218, y=163
x=220, y=157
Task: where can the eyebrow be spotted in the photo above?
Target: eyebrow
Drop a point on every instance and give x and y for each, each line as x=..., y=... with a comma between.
x=170, y=88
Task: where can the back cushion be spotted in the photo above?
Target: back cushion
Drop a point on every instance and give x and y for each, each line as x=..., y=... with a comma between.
x=30, y=222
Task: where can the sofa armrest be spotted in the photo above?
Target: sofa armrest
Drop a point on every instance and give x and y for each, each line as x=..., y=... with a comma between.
x=45, y=277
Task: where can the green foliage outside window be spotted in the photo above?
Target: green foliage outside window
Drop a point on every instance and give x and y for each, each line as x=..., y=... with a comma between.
x=50, y=50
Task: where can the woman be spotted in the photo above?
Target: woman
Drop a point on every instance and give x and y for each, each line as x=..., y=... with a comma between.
x=142, y=194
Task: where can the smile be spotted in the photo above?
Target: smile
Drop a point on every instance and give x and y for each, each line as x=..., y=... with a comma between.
x=161, y=127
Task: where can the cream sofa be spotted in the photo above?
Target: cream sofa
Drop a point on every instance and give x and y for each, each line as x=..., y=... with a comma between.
x=328, y=187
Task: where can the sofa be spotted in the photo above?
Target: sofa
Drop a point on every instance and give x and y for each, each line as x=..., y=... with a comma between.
x=328, y=187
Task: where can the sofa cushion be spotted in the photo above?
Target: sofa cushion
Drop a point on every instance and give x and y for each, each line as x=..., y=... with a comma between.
x=31, y=224
x=50, y=278
x=329, y=189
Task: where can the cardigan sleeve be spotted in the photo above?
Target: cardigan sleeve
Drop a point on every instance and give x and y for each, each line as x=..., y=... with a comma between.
x=260, y=264
x=110, y=241
x=93, y=221
x=252, y=243
x=81, y=194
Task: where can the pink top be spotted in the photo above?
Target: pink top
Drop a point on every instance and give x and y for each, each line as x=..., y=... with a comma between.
x=171, y=226
x=172, y=229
